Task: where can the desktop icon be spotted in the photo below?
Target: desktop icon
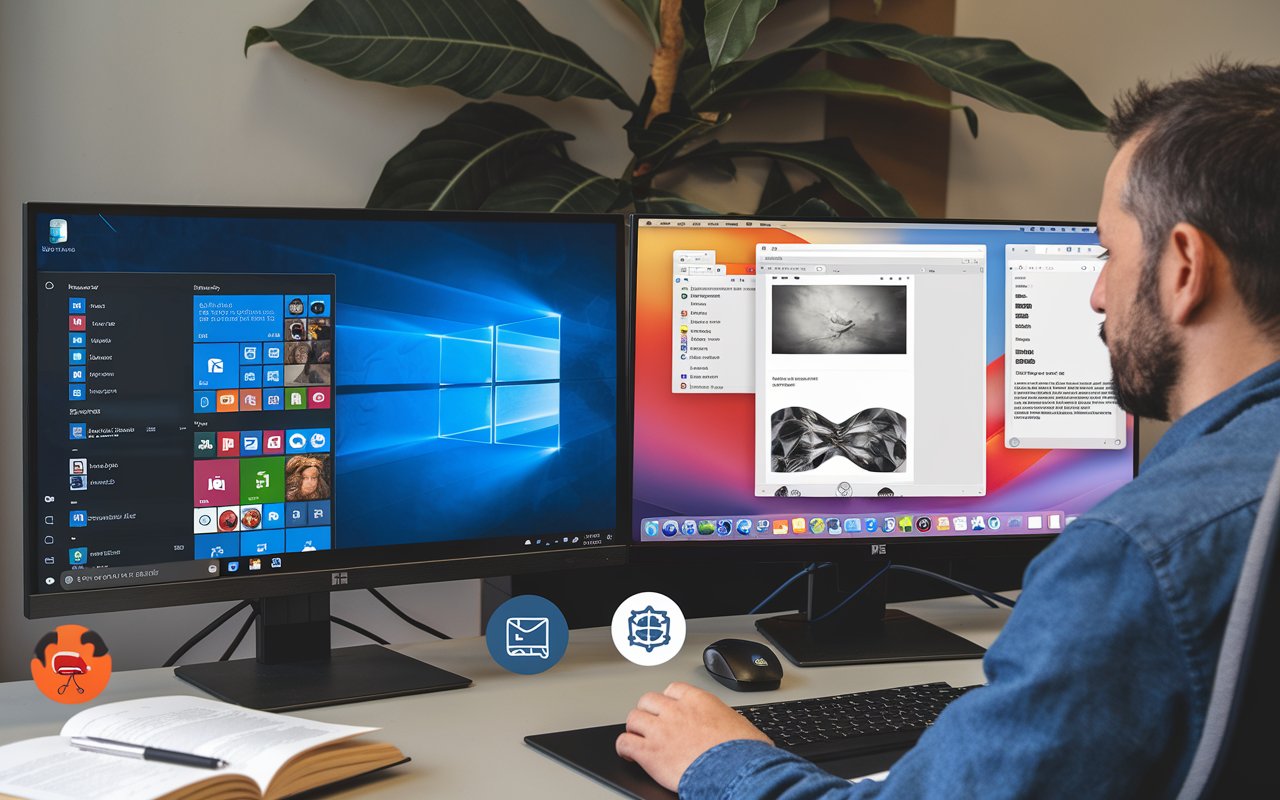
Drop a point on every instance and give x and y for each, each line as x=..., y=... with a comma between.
x=1015, y=522
x=276, y=563
x=71, y=665
x=706, y=527
x=233, y=566
x=527, y=635
x=960, y=523
x=670, y=527
x=871, y=523
x=904, y=524
x=833, y=525
x=689, y=527
x=993, y=523
x=724, y=527
x=1055, y=522
x=944, y=523
x=975, y=523
x=651, y=528
x=255, y=564
x=78, y=555
x=924, y=524
x=817, y=525
x=744, y=527
x=1035, y=522
x=799, y=525
x=762, y=526
x=780, y=527
x=648, y=629
x=890, y=524
x=853, y=525
x=57, y=231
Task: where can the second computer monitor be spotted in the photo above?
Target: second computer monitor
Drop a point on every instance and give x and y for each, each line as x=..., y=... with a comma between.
x=802, y=383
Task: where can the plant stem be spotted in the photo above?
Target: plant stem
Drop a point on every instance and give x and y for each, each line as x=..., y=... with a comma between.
x=666, y=58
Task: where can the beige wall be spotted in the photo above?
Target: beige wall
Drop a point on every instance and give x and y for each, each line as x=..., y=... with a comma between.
x=1024, y=167
x=152, y=101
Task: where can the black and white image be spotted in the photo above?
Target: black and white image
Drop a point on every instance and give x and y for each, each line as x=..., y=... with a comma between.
x=839, y=320
x=874, y=439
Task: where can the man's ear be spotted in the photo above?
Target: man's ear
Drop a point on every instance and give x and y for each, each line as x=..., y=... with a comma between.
x=49, y=638
x=1196, y=259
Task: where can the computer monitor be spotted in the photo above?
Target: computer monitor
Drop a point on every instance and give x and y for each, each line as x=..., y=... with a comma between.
x=236, y=403
x=850, y=392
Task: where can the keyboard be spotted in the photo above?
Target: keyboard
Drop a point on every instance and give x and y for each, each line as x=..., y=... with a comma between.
x=847, y=734
x=851, y=724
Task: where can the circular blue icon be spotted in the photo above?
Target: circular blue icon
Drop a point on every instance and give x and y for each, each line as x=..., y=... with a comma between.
x=744, y=527
x=689, y=528
x=724, y=527
x=651, y=528
x=527, y=635
x=993, y=523
x=670, y=527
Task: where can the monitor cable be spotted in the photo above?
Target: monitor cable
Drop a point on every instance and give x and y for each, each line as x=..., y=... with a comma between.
x=422, y=626
x=987, y=597
x=206, y=630
x=244, y=629
x=354, y=627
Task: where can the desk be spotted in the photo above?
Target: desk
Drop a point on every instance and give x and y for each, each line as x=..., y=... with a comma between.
x=470, y=742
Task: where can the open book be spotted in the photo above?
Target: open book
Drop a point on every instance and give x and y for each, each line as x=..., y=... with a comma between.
x=269, y=755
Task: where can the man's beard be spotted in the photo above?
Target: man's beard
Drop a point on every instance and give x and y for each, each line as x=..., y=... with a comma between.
x=1146, y=361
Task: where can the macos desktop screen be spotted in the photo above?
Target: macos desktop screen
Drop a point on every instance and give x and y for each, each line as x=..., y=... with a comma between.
x=246, y=391
x=802, y=380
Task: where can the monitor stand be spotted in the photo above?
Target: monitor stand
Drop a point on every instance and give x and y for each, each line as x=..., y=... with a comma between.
x=863, y=631
x=296, y=669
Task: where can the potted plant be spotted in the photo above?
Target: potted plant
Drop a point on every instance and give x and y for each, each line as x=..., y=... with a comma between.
x=491, y=155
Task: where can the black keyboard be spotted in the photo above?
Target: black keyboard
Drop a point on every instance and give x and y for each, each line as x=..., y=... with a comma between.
x=851, y=724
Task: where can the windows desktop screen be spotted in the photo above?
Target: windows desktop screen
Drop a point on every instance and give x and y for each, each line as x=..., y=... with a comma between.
x=263, y=389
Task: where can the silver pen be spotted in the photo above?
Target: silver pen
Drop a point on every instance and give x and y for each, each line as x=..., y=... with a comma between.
x=110, y=747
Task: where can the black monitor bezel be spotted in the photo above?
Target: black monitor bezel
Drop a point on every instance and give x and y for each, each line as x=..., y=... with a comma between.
x=799, y=551
x=424, y=567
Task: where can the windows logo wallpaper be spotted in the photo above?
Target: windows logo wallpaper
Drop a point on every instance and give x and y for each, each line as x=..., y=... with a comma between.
x=475, y=372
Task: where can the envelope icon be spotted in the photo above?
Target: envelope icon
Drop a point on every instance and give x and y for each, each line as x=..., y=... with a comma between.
x=529, y=636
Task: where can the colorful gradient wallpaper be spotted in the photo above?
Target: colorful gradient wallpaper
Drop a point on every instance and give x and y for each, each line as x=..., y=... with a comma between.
x=693, y=452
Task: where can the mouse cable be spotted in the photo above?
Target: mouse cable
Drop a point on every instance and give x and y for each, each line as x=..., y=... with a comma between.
x=422, y=626
x=208, y=629
x=352, y=626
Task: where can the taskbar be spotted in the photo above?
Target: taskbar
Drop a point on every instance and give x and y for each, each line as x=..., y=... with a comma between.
x=775, y=527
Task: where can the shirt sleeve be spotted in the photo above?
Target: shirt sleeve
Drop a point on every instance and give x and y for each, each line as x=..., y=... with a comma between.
x=1087, y=696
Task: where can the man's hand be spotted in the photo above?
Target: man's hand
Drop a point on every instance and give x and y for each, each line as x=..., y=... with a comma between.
x=667, y=732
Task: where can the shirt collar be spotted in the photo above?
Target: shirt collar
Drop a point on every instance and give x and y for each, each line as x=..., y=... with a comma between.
x=1216, y=412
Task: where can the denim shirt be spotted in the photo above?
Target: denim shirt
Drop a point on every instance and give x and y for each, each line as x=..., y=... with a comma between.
x=1097, y=686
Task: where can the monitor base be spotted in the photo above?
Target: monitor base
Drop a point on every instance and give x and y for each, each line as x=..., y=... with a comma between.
x=898, y=637
x=349, y=675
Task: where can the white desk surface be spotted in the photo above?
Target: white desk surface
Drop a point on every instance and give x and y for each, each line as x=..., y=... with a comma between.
x=469, y=743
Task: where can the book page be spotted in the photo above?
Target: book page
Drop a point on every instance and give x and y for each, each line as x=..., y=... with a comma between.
x=255, y=743
x=49, y=768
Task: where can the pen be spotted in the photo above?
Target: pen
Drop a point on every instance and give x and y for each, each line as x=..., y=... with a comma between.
x=96, y=745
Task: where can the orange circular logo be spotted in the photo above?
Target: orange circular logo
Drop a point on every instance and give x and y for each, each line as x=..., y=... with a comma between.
x=71, y=664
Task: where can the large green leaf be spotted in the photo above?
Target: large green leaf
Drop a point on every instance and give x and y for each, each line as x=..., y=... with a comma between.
x=826, y=82
x=778, y=199
x=647, y=11
x=554, y=184
x=730, y=27
x=833, y=160
x=992, y=70
x=460, y=162
x=475, y=47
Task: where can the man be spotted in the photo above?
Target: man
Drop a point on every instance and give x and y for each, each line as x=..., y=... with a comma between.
x=1098, y=685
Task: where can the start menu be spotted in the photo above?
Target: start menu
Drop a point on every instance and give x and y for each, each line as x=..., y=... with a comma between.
x=196, y=419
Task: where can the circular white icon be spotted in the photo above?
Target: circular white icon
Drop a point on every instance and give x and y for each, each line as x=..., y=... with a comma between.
x=648, y=629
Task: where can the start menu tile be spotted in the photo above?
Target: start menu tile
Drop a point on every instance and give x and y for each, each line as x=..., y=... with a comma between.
x=196, y=418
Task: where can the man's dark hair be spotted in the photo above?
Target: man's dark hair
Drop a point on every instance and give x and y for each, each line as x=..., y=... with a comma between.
x=1209, y=154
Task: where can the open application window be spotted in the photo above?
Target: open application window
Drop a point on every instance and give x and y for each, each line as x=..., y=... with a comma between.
x=1057, y=383
x=870, y=370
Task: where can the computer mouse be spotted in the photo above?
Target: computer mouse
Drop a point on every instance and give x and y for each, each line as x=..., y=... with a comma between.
x=742, y=665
